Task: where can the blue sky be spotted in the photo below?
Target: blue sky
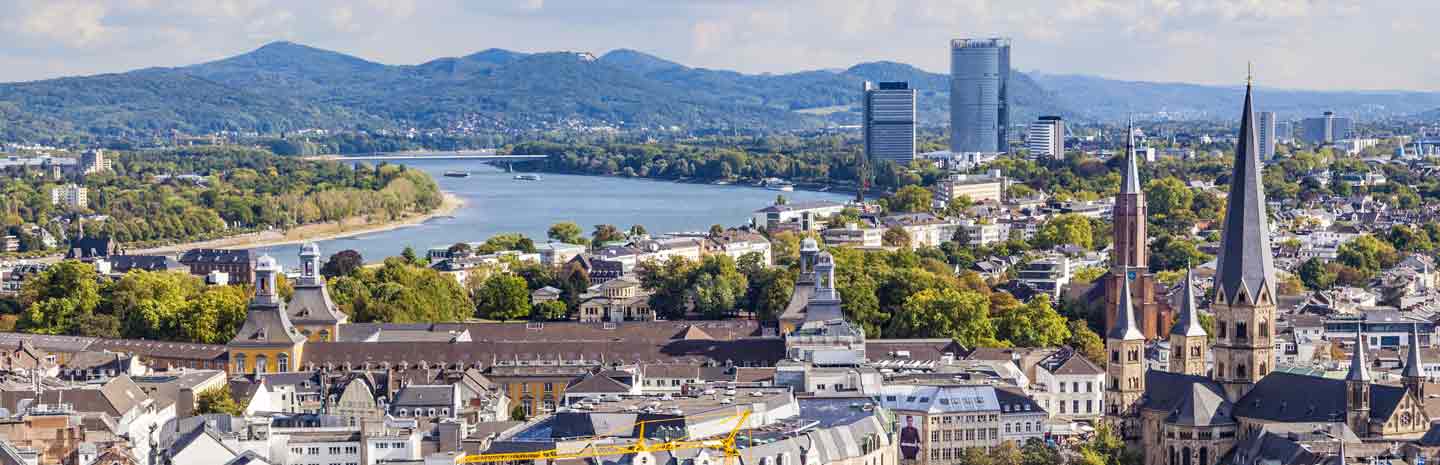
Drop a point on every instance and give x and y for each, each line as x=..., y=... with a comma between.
x=1313, y=44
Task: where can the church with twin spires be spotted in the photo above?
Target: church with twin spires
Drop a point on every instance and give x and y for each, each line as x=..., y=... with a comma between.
x=1194, y=415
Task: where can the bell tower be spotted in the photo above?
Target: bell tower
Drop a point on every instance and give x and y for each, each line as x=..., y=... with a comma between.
x=1125, y=372
x=1187, y=337
x=1129, y=258
x=1244, y=303
x=1357, y=387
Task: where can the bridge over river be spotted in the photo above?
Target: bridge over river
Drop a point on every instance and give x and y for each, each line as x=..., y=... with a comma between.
x=482, y=155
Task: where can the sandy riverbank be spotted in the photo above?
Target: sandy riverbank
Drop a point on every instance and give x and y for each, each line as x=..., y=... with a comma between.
x=354, y=226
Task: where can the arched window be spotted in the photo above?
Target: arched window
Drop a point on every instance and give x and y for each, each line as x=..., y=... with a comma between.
x=1172, y=455
x=1185, y=456
x=283, y=363
x=1240, y=370
x=1240, y=331
x=1263, y=368
x=239, y=363
x=402, y=412
x=1204, y=456
x=1264, y=331
x=1220, y=327
x=261, y=364
x=1195, y=351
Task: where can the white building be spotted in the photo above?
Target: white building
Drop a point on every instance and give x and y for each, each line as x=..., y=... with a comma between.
x=936, y=423
x=978, y=187
x=854, y=235
x=70, y=196
x=1266, y=130
x=1046, y=138
x=1069, y=386
x=805, y=216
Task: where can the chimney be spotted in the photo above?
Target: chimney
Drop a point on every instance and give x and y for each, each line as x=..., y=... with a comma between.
x=185, y=403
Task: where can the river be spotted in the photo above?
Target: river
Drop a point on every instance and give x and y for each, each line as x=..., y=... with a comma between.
x=495, y=203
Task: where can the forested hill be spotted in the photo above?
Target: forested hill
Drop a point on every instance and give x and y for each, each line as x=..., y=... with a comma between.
x=285, y=86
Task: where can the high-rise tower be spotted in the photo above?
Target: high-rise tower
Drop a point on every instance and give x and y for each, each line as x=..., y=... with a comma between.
x=1187, y=337
x=889, y=121
x=979, y=95
x=1244, y=304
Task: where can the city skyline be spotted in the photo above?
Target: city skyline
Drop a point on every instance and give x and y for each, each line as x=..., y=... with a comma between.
x=1177, y=42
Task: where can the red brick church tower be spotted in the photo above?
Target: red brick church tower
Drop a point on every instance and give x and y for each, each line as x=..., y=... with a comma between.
x=1128, y=256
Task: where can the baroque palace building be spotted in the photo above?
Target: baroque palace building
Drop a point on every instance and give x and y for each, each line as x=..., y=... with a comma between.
x=1187, y=416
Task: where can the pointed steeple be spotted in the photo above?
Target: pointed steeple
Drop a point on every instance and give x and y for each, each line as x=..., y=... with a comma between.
x=1358, y=370
x=1244, y=266
x=1130, y=180
x=1413, y=367
x=1125, y=328
x=1188, y=322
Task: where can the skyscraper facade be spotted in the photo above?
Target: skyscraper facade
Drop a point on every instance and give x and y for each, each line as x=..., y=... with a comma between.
x=1046, y=138
x=979, y=95
x=1265, y=128
x=1326, y=129
x=889, y=121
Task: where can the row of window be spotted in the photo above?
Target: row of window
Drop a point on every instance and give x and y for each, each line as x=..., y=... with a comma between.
x=390, y=445
x=332, y=450
x=1075, y=406
x=949, y=419
x=980, y=434
x=1075, y=386
x=403, y=412
x=1029, y=427
x=262, y=363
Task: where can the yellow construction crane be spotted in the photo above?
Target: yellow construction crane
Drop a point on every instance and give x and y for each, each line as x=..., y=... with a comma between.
x=587, y=448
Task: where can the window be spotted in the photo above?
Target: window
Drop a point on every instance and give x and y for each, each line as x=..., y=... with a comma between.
x=549, y=387
x=284, y=363
x=239, y=363
x=334, y=450
x=261, y=363
x=1062, y=406
x=1240, y=332
x=1089, y=386
x=314, y=451
x=382, y=445
x=297, y=450
x=1115, y=356
x=1089, y=405
x=399, y=445
x=1062, y=387
x=1220, y=327
x=351, y=449
x=1075, y=406
x=1075, y=386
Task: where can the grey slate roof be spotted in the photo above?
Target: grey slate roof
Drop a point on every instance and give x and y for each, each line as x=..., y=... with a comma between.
x=1244, y=265
x=311, y=304
x=425, y=396
x=1188, y=322
x=1291, y=398
x=1203, y=405
x=597, y=384
x=1125, y=329
x=1413, y=367
x=1359, y=371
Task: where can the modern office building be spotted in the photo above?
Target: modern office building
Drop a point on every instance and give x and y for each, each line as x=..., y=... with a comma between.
x=1046, y=138
x=1284, y=132
x=979, y=95
x=890, y=121
x=1266, y=130
x=1326, y=129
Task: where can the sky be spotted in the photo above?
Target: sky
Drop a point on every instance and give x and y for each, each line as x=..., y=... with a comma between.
x=1306, y=44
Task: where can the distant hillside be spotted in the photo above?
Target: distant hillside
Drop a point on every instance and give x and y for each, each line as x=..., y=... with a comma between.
x=1105, y=98
x=285, y=86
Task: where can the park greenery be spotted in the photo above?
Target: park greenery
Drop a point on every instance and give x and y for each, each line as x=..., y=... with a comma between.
x=143, y=200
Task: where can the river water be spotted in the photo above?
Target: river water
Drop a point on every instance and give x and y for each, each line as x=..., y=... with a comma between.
x=496, y=203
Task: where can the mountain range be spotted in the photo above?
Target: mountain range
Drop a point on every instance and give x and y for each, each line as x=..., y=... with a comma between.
x=284, y=86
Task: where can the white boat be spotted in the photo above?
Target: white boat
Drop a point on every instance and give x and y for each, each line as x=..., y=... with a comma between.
x=527, y=177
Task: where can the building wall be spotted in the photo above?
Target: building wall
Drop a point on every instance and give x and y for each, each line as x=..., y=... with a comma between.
x=1062, y=389
x=943, y=436
x=272, y=358
x=532, y=393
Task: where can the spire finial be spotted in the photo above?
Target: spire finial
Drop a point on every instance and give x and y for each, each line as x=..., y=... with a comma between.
x=1249, y=73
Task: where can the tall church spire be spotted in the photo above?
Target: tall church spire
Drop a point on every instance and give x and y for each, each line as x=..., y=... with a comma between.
x=1130, y=180
x=1244, y=305
x=1244, y=266
x=1188, y=339
x=1125, y=328
x=1414, y=375
x=1358, y=370
x=1188, y=322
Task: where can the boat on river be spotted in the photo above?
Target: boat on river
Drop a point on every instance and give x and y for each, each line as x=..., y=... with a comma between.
x=527, y=177
x=457, y=174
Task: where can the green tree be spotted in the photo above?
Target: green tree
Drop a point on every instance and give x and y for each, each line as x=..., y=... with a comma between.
x=896, y=236
x=150, y=303
x=1408, y=239
x=217, y=400
x=606, y=233
x=549, y=310
x=504, y=296
x=1169, y=196
x=1087, y=342
x=214, y=316
x=58, y=298
x=960, y=315
x=669, y=281
x=717, y=286
x=460, y=250
x=910, y=199
x=342, y=263
x=638, y=231
x=1367, y=254
x=567, y=232
x=1035, y=452
x=1067, y=229
x=1315, y=275
x=1035, y=324
x=1175, y=253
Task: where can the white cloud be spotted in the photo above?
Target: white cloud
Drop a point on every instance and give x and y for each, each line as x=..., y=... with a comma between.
x=1207, y=41
x=67, y=22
